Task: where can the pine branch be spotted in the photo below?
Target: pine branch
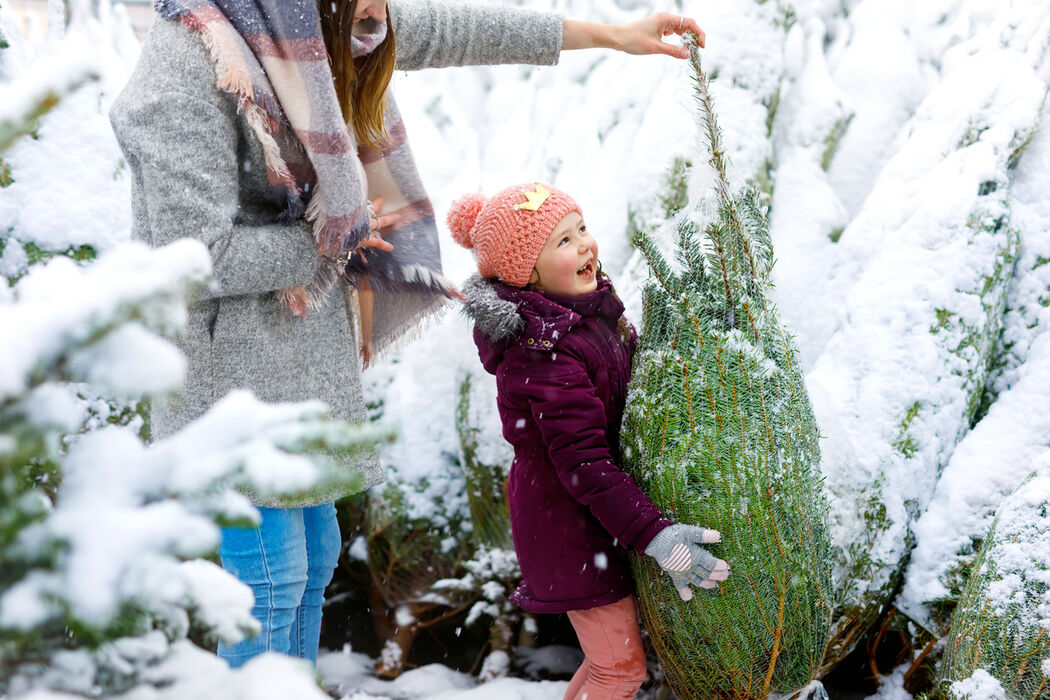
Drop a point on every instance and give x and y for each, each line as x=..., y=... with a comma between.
x=486, y=484
x=719, y=163
x=661, y=270
x=690, y=256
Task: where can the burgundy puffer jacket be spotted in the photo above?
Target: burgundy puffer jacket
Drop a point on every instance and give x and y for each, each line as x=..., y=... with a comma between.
x=561, y=376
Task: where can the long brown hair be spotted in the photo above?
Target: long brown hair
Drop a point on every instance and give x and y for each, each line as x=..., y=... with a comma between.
x=360, y=83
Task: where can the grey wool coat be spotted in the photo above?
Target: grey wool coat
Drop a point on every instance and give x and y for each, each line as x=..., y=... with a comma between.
x=198, y=171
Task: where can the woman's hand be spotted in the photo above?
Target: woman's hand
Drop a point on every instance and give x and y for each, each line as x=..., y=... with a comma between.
x=644, y=36
x=377, y=223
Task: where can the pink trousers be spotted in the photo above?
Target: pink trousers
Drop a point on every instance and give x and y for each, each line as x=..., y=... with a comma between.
x=610, y=637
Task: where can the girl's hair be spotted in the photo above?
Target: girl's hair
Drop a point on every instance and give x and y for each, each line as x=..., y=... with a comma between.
x=623, y=327
x=360, y=83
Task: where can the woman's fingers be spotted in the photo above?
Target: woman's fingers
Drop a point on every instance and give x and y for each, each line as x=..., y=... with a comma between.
x=688, y=24
x=644, y=36
x=665, y=24
x=376, y=242
x=381, y=222
x=377, y=223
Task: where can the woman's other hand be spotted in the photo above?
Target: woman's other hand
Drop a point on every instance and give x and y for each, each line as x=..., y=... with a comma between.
x=378, y=223
x=644, y=36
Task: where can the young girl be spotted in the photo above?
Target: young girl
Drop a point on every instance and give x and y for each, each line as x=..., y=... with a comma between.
x=549, y=325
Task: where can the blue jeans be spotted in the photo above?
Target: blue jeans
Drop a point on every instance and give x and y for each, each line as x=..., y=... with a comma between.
x=287, y=562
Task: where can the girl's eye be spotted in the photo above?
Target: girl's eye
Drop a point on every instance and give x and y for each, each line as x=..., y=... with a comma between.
x=564, y=240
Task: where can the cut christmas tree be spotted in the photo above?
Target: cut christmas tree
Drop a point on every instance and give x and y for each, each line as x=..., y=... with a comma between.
x=999, y=632
x=719, y=433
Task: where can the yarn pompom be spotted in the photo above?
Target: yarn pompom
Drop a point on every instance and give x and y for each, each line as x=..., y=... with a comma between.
x=462, y=215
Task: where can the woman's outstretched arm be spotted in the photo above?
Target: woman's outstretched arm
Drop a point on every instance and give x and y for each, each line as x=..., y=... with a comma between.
x=644, y=36
x=435, y=33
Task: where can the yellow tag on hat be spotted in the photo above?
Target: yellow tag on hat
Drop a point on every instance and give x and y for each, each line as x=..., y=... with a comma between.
x=535, y=199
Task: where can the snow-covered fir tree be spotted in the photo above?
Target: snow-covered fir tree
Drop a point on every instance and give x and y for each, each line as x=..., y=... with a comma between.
x=104, y=556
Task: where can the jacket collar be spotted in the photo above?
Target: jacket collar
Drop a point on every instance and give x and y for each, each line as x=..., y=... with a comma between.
x=503, y=313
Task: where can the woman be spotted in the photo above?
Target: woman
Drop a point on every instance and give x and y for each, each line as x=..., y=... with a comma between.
x=234, y=127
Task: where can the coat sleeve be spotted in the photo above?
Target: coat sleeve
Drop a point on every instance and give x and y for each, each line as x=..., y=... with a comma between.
x=572, y=424
x=435, y=34
x=181, y=148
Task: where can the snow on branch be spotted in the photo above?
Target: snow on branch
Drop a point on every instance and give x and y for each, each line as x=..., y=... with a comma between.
x=38, y=88
x=104, y=579
x=62, y=313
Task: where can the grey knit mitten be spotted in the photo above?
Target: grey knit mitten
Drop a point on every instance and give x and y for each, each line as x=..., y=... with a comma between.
x=677, y=550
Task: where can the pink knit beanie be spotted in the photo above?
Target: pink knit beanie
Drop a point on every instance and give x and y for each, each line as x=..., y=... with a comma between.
x=508, y=231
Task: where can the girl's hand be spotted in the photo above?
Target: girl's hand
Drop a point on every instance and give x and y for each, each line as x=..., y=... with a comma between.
x=377, y=223
x=719, y=573
x=677, y=551
x=644, y=36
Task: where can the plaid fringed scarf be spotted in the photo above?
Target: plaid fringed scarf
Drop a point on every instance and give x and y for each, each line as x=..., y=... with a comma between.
x=271, y=55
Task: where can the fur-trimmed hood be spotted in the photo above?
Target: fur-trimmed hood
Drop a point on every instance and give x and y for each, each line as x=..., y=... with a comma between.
x=496, y=318
x=505, y=315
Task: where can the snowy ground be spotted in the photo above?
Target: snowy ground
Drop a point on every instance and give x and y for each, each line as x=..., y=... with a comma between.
x=348, y=675
x=864, y=162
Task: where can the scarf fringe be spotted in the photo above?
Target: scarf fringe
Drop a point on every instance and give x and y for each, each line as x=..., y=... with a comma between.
x=261, y=123
x=329, y=238
x=233, y=79
x=293, y=209
x=415, y=279
x=301, y=301
x=408, y=331
x=419, y=276
x=411, y=330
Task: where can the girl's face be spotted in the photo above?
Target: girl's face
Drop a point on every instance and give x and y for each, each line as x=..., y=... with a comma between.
x=376, y=9
x=568, y=263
